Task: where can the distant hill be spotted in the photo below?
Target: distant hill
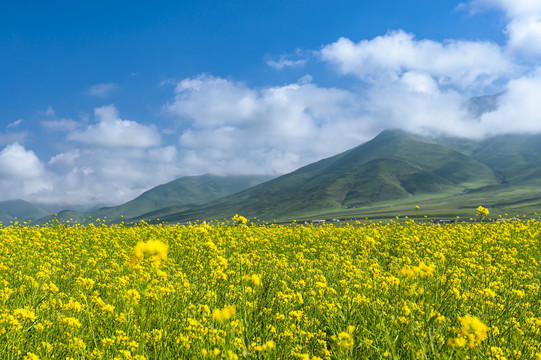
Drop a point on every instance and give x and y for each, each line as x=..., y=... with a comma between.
x=184, y=193
x=393, y=167
x=387, y=176
x=20, y=211
x=507, y=155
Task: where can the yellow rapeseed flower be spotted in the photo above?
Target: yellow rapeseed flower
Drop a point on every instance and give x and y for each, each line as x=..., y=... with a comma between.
x=153, y=249
x=24, y=314
x=483, y=211
x=256, y=279
x=472, y=333
x=345, y=340
x=224, y=314
x=238, y=219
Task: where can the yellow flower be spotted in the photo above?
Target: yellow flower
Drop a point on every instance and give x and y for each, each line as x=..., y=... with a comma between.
x=345, y=340
x=483, y=211
x=154, y=249
x=256, y=279
x=31, y=356
x=239, y=219
x=224, y=314
x=132, y=296
x=24, y=314
x=69, y=321
x=472, y=333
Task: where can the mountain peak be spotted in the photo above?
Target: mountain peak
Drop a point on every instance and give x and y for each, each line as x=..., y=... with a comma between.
x=398, y=133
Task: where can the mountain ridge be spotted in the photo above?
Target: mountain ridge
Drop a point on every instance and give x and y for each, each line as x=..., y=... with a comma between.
x=424, y=167
x=183, y=192
x=394, y=170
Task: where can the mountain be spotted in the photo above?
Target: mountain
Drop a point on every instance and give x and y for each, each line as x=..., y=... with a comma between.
x=20, y=211
x=509, y=155
x=393, y=167
x=385, y=177
x=479, y=105
x=183, y=193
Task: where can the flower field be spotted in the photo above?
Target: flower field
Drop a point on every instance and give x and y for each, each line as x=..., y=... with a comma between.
x=234, y=291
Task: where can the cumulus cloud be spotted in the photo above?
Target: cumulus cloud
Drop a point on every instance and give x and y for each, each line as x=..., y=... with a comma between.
x=519, y=108
x=12, y=135
x=102, y=90
x=524, y=23
x=17, y=163
x=236, y=129
x=514, y=8
x=107, y=162
x=462, y=64
x=21, y=173
x=525, y=35
x=109, y=176
x=112, y=131
x=49, y=112
x=421, y=86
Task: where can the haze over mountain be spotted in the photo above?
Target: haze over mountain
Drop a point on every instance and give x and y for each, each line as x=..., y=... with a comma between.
x=185, y=192
x=392, y=169
x=20, y=210
x=393, y=172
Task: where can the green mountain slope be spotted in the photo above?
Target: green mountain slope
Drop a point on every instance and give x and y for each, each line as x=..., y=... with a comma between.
x=386, y=176
x=508, y=153
x=393, y=166
x=438, y=159
x=182, y=193
x=505, y=154
x=189, y=190
x=20, y=210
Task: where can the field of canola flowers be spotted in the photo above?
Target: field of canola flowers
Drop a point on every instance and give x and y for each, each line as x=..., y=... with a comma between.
x=236, y=290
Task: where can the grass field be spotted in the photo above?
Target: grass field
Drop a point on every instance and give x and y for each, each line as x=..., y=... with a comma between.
x=240, y=290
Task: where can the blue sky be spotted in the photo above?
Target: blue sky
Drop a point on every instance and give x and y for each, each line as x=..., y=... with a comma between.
x=103, y=100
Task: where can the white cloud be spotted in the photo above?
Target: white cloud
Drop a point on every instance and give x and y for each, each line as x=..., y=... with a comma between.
x=524, y=27
x=14, y=124
x=296, y=59
x=111, y=131
x=514, y=8
x=22, y=175
x=67, y=158
x=102, y=90
x=17, y=163
x=49, y=112
x=107, y=163
x=106, y=176
x=520, y=108
x=462, y=64
x=60, y=125
x=283, y=62
x=419, y=82
x=525, y=35
x=236, y=129
x=12, y=136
